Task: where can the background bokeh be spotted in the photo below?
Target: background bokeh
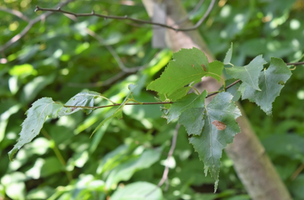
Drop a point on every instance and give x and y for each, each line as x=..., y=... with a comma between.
x=60, y=57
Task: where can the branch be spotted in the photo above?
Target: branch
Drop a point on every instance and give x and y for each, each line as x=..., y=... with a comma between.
x=129, y=18
x=191, y=12
x=296, y=63
x=100, y=83
x=171, y=151
x=118, y=104
x=114, y=54
x=29, y=26
x=16, y=13
x=111, y=49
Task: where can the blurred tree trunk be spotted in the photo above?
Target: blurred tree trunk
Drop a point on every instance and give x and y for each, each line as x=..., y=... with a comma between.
x=251, y=163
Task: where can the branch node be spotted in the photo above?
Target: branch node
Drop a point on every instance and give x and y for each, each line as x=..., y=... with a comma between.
x=37, y=8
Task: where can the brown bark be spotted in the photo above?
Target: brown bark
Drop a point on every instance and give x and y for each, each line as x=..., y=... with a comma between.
x=251, y=163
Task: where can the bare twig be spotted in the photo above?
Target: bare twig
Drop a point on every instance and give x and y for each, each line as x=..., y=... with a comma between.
x=118, y=104
x=191, y=12
x=297, y=172
x=58, y=154
x=131, y=19
x=166, y=170
x=114, y=54
x=100, y=83
x=16, y=13
x=296, y=63
x=29, y=26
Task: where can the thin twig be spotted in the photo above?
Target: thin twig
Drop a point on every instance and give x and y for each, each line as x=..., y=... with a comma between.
x=170, y=153
x=229, y=86
x=117, y=104
x=59, y=10
x=16, y=13
x=58, y=154
x=296, y=63
x=114, y=54
x=29, y=26
x=111, y=50
x=232, y=84
x=198, y=5
x=297, y=172
x=100, y=83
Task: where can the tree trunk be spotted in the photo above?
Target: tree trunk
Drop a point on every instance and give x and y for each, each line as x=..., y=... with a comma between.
x=250, y=161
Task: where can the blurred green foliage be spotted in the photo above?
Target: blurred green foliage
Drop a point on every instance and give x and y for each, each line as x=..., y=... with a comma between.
x=58, y=58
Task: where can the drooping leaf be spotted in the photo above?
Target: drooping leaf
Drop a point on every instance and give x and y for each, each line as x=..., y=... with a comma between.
x=80, y=99
x=118, y=112
x=190, y=101
x=271, y=82
x=219, y=130
x=187, y=66
x=36, y=116
x=250, y=73
x=228, y=56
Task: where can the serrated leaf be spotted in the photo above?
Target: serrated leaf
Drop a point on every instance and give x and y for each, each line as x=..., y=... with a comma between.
x=80, y=99
x=36, y=116
x=190, y=101
x=271, y=82
x=250, y=73
x=118, y=112
x=193, y=118
x=228, y=56
x=219, y=129
x=217, y=69
x=188, y=65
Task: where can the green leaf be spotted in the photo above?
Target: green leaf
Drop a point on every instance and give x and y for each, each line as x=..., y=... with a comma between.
x=190, y=101
x=218, y=131
x=228, y=56
x=36, y=116
x=193, y=118
x=118, y=112
x=187, y=66
x=250, y=73
x=80, y=99
x=138, y=191
x=124, y=171
x=271, y=82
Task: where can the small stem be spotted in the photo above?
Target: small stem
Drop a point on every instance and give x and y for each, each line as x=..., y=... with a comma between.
x=58, y=154
x=197, y=92
x=229, y=86
x=296, y=63
x=297, y=172
x=118, y=104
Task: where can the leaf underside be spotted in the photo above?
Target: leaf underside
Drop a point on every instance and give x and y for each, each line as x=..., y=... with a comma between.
x=80, y=99
x=250, y=73
x=36, y=116
x=271, y=82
